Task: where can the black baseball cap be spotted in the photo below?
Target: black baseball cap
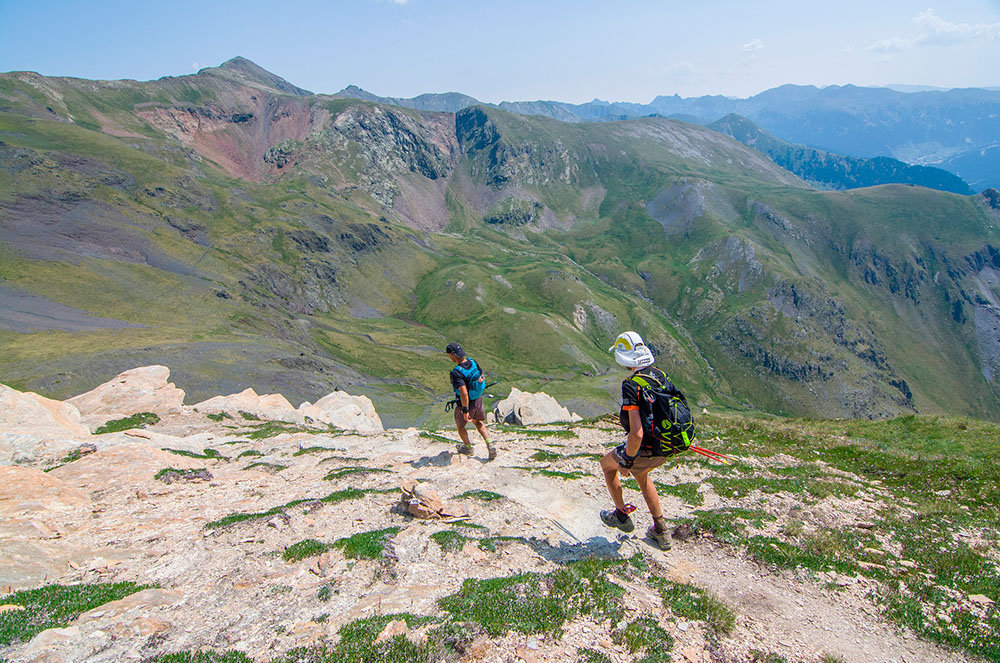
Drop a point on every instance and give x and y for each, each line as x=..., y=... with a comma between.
x=455, y=349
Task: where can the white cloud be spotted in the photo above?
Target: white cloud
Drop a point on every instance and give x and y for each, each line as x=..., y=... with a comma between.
x=754, y=46
x=893, y=45
x=937, y=31
x=197, y=66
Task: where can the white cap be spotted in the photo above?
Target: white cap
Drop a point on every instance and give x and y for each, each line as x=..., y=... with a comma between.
x=630, y=351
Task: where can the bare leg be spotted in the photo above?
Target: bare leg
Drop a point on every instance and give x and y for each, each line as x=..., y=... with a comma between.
x=611, y=468
x=481, y=427
x=464, y=435
x=649, y=494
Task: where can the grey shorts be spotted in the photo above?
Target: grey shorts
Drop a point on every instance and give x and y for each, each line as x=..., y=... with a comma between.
x=476, y=412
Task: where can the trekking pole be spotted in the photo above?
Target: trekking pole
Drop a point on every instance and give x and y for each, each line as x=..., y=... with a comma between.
x=713, y=455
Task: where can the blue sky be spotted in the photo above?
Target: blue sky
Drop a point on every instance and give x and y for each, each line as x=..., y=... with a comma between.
x=550, y=49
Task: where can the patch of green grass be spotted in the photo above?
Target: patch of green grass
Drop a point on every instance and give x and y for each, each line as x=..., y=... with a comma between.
x=437, y=438
x=587, y=655
x=73, y=455
x=249, y=416
x=138, y=420
x=483, y=495
x=357, y=644
x=170, y=474
x=646, y=634
x=250, y=452
x=311, y=450
x=366, y=545
x=569, y=476
x=202, y=657
x=302, y=549
x=544, y=456
x=687, y=492
x=449, y=540
x=55, y=606
x=274, y=428
x=342, y=472
x=533, y=603
x=694, y=603
x=724, y=524
x=269, y=467
x=208, y=454
x=332, y=498
x=534, y=432
x=218, y=416
x=345, y=459
x=237, y=442
x=758, y=656
x=742, y=486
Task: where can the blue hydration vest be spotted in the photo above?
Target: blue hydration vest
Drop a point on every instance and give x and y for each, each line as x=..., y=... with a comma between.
x=475, y=382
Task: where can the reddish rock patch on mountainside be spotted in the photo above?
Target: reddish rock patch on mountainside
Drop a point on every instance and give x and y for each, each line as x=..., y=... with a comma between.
x=238, y=138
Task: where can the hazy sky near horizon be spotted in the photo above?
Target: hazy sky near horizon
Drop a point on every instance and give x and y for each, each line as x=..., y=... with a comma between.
x=558, y=49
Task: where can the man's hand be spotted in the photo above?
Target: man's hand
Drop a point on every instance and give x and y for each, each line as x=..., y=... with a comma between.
x=468, y=417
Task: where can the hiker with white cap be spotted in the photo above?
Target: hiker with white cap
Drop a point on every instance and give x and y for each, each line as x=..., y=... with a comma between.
x=650, y=402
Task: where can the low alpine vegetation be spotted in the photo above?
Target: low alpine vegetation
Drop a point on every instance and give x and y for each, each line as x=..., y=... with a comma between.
x=55, y=606
x=302, y=549
x=138, y=420
x=366, y=545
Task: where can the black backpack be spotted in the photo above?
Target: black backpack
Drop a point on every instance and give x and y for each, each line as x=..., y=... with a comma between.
x=669, y=416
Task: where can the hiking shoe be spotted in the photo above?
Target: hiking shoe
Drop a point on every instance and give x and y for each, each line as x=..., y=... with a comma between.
x=465, y=449
x=662, y=539
x=610, y=518
x=492, y=450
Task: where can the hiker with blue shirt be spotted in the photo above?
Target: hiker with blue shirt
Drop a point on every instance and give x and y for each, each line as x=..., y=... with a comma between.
x=468, y=382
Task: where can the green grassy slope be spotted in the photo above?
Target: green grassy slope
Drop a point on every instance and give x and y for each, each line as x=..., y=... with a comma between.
x=755, y=290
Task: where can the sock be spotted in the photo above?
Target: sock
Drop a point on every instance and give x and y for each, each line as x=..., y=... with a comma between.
x=659, y=524
x=622, y=516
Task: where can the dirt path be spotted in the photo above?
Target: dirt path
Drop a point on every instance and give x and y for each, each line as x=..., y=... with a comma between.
x=796, y=618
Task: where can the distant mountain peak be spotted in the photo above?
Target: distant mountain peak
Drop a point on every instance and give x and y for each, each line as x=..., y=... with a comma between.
x=250, y=72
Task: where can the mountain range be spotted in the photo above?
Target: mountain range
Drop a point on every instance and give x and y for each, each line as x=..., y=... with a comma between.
x=957, y=130
x=247, y=232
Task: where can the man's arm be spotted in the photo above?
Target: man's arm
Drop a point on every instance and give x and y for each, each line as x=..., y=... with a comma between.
x=634, y=440
x=463, y=395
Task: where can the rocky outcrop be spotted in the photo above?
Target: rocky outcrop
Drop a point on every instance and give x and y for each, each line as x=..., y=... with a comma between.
x=338, y=409
x=267, y=406
x=142, y=389
x=341, y=410
x=522, y=408
x=34, y=427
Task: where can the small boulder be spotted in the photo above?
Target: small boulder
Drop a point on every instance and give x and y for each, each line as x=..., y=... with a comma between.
x=521, y=408
x=344, y=411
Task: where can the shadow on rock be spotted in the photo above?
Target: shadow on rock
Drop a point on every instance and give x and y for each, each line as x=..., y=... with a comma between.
x=443, y=459
x=596, y=547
